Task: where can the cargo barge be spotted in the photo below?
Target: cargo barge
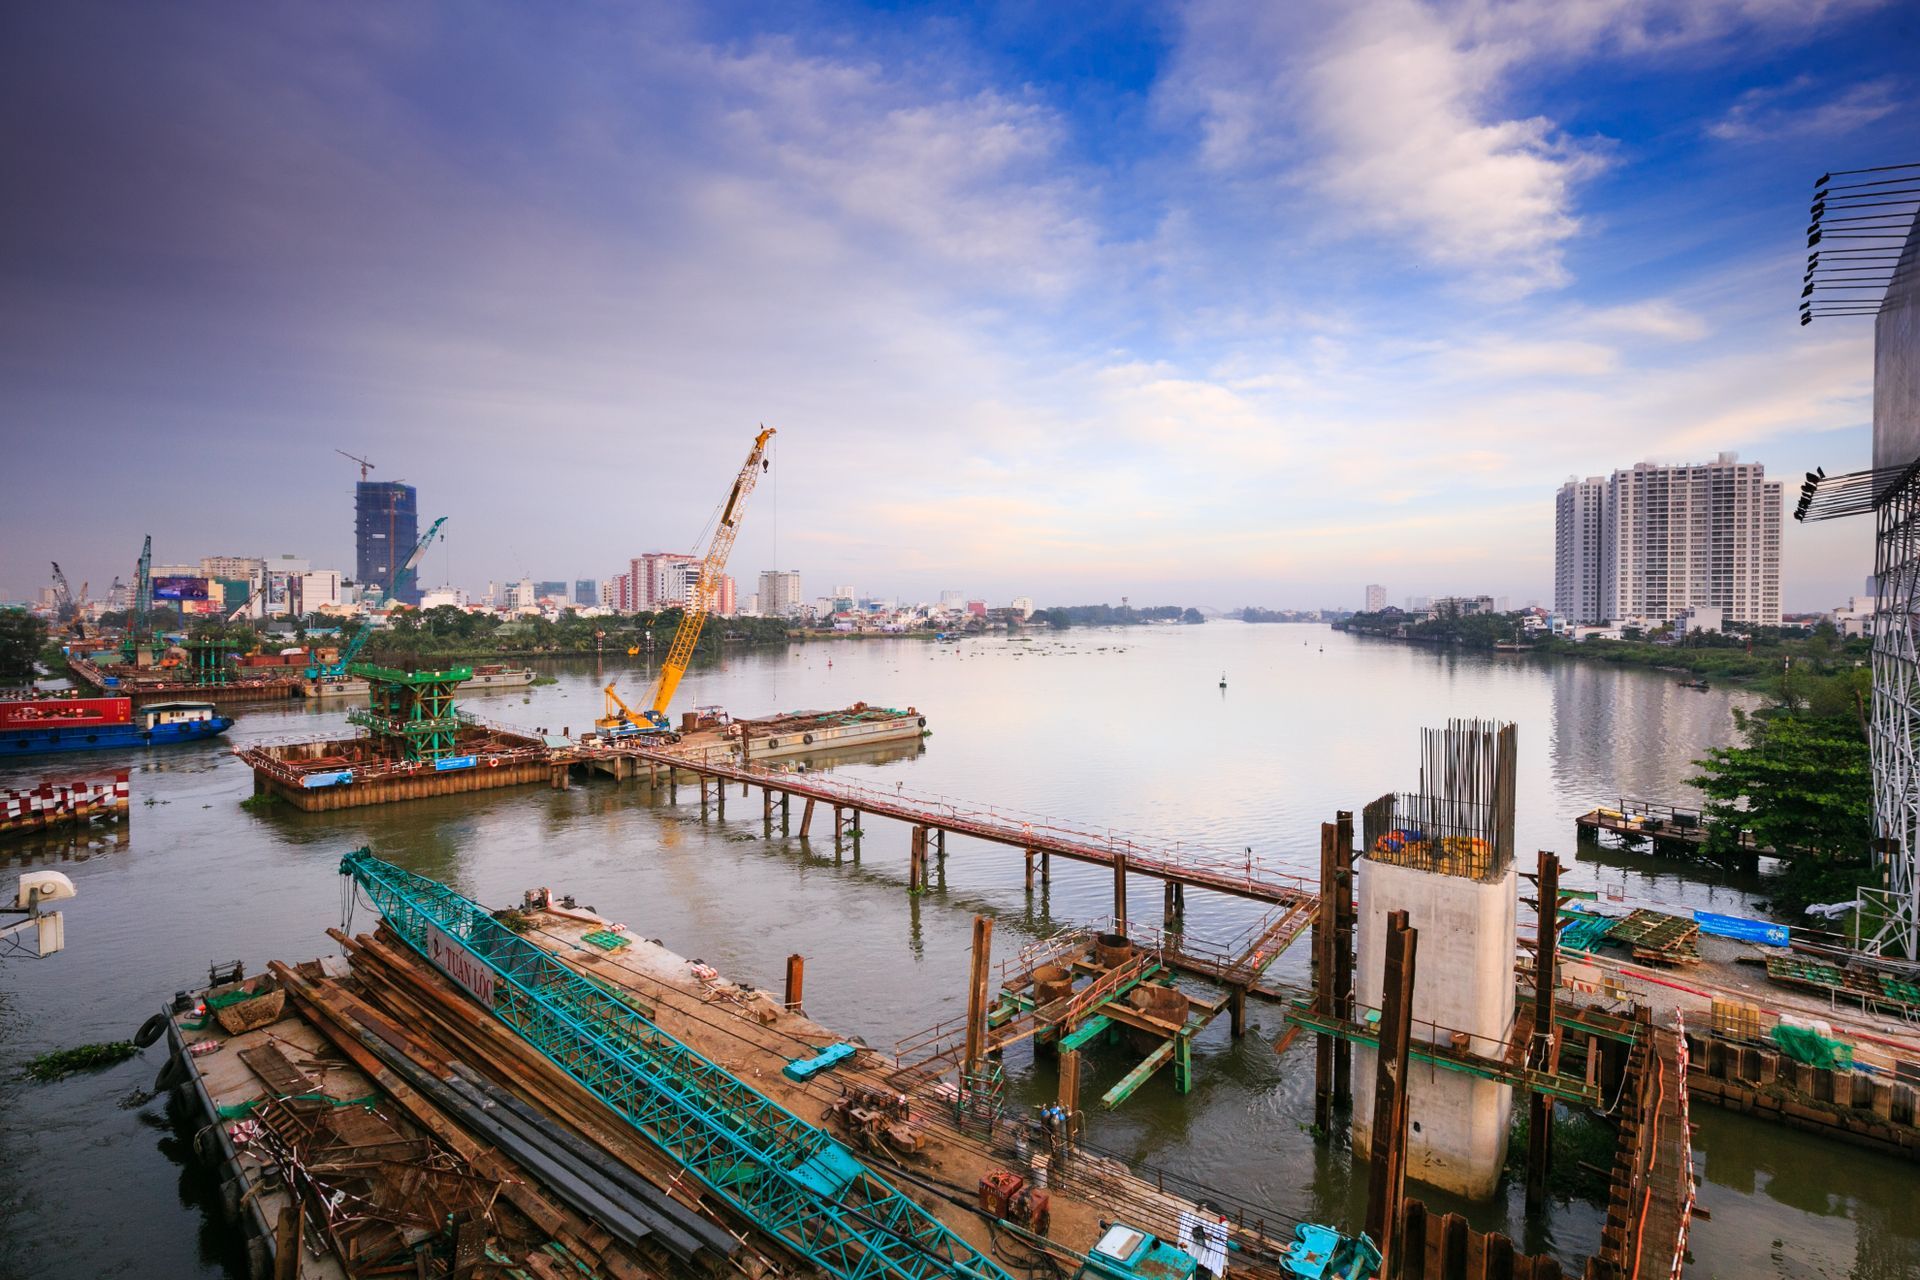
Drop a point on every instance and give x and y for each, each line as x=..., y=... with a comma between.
x=38, y=726
x=149, y=685
x=717, y=739
x=484, y=679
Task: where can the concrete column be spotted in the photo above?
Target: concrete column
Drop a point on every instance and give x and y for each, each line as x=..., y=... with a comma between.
x=1029, y=853
x=1120, y=892
x=806, y=818
x=940, y=843
x=766, y=809
x=837, y=824
x=1466, y=940
x=785, y=798
x=856, y=835
x=720, y=796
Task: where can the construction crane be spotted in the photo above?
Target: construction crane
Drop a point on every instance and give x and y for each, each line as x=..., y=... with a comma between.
x=365, y=466
x=62, y=595
x=337, y=669
x=620, y=717
x=248, y=603
x=141, y=616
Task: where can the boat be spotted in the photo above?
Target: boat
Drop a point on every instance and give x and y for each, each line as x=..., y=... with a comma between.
x=34, y=726
x=1693, y=684
x=1223, y=679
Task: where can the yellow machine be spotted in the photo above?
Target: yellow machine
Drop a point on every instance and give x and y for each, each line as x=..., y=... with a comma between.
x=619, y=716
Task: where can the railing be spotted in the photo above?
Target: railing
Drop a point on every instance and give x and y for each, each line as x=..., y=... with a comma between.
x=1250, y=873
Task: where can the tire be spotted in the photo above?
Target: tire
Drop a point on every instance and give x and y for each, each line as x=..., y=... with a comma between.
x=923, y=722
x=807, y=738
x=172, y=1076
x=151, y=1030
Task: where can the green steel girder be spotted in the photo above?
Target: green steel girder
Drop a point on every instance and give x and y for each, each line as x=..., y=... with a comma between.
x=1565, y=1088
x=787, y=1177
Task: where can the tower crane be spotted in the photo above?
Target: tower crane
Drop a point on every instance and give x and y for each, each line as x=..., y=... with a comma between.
x=337, y=669
x=653, y=718
x=365, y=466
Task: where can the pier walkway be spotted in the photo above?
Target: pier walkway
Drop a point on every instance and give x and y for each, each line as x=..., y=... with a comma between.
x=1177, y=864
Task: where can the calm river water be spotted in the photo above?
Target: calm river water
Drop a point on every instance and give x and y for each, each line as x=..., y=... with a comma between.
x=1118, y=727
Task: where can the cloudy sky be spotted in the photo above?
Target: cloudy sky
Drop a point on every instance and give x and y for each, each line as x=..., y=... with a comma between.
x=1217, y=302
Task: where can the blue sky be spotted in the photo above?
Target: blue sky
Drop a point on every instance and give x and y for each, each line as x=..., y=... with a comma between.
x=1221, y=303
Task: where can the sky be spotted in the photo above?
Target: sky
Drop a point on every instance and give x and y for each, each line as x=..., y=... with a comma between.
x=1216, y=303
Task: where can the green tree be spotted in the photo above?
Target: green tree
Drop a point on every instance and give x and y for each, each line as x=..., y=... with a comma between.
x=21, y=636
x=1802, y=784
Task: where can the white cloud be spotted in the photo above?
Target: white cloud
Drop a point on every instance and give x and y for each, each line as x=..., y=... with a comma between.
x=1773, y=112
x=973, y=178
x=1401, y=113
x=1523, y=358
x=1655, y=318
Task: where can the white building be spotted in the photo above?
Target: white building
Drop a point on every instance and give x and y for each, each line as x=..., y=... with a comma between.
x=1669, y=538
x=1024, y=604
x=779, y=595
x=1376, y=597
x=1703, y=618
x=1857, y=618
x=1576, y=549
x=441, y=596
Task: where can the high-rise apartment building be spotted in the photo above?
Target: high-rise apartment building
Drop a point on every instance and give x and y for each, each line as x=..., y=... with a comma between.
x=780, y=593
x=660, y=580
x=1651, y=541
x=386, y=525
x=586, y=591
x=1376, y=597
x=1576, y=549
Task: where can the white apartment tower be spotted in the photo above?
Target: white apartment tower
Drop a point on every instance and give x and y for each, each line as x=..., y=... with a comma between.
x=1576, y=547
x=1651, y=541
x=1376, y=597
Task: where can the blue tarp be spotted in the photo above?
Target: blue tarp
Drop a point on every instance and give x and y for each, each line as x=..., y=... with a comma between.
x=1774, y=935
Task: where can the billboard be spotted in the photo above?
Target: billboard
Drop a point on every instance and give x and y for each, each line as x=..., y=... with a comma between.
x=179, y=588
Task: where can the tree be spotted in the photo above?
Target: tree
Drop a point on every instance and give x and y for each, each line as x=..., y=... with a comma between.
x=1802, y=784
x=21, y=636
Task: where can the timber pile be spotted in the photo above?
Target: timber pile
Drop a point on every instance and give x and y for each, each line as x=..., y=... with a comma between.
x=603, y=1193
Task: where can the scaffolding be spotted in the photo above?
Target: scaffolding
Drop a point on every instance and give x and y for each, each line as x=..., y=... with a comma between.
x=207, y=659
x=411, y=714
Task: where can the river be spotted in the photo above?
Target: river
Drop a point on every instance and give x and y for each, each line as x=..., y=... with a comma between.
x=1120, y=727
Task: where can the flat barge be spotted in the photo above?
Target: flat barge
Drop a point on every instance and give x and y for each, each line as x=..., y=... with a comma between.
x=799, y=734
x=41, y=726
x=145, y=685
x=484, y=679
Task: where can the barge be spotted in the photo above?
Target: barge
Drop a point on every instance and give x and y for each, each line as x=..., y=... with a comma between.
x=73, y=802
x=484, y=679
x=718, y=739
x=38, y=726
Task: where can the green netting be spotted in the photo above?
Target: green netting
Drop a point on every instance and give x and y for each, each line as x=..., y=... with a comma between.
x=238, y=1110
x=1803, y=1044
x=215, y=1003
x=605, y=939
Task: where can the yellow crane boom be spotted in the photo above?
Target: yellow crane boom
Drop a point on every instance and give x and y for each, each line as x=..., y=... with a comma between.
x=707, y=590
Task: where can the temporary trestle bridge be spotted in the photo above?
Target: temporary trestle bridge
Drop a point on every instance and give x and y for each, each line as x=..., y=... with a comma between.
x=1178, y=865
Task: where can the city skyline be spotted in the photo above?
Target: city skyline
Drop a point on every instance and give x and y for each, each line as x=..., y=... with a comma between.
x=1254, y=328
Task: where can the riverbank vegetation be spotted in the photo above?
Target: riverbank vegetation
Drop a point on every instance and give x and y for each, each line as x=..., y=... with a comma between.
x=1759, y=654
x=1801, y=781
x=1106, y=615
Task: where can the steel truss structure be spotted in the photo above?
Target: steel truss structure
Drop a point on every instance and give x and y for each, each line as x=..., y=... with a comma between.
x=787, y=1177
x=1895, y=733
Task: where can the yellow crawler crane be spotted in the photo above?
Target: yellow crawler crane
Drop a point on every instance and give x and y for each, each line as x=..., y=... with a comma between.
x=653, y=719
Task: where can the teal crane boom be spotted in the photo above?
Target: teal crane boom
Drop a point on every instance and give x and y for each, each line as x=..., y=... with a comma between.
x=781, y=1173
x=337, y=669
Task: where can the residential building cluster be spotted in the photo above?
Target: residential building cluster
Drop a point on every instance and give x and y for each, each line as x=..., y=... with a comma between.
x=1654, y=546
